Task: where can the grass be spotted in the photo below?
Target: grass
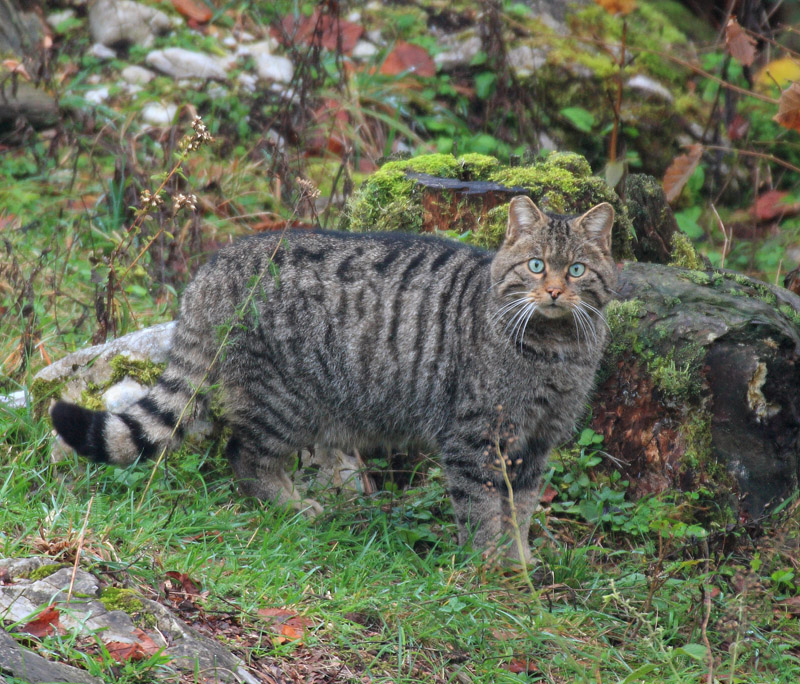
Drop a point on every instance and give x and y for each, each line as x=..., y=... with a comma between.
x=661, y=589
x=609, y=606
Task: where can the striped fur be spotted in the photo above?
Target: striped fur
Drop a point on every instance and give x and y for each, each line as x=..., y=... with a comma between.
x=351, y=339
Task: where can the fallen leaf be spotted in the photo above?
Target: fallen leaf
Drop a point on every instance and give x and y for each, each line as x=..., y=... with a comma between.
x=328, y=30
x=44, y=624
x=187, y=584
x=771, y=205
x=741, y=46
x=196, y=11
x=617, y=6
x=287, y=624
x=144, y=647
x=548, y=494
x=517, y=666
x=16, y=67
x=680, y=171
x=407, y=57
x=788, y=114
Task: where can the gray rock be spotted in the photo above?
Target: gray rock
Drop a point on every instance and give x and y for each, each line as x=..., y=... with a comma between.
x=96, y=96
x=525, y=60
x=92, y=365
x=125, y=21
x=650, y=86
x=84, y=615
x=102, y=52
x=136, y=75
x=274, y=67
x=159, y=114
x=364, y=50
x=28, y=666
x=460, y=49
x=15, y=399
x=122, y=394
x=56, y=18
x=181, y=63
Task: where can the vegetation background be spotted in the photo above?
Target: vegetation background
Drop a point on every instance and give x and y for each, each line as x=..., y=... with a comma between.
x=104, y=216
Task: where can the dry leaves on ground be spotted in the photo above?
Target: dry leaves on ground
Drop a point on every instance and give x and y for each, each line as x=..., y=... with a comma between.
x=287, y=624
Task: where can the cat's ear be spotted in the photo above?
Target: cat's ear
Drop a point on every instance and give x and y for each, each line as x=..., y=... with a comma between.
x=523, y=217
x=596, y=224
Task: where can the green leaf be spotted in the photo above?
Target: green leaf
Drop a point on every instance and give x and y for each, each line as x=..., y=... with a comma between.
x=687, y=222
x=638, y=673
x=484, y=84
x=696, y=651
x=582, y=119
x=587, y=437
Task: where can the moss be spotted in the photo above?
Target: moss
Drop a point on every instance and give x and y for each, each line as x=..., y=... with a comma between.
x=696, y=277
x=790, y=313
x=92, y=398
x=126, y=600
x=477, y=166
x=684, y=254
x=144, y=371
x=42, y=392
x=45, y=571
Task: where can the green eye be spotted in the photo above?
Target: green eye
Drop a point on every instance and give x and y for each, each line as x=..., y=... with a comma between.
x=577, y=270
x=536, y=266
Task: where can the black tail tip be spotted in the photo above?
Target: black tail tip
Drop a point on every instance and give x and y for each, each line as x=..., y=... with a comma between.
x=74, y=424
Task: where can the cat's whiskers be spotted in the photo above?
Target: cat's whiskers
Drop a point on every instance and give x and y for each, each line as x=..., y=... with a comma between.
x=531, y=308
x=508, y=307
x=596, y=311
x=585, y=323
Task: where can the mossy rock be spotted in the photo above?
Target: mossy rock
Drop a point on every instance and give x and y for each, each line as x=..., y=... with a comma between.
x=391, y=199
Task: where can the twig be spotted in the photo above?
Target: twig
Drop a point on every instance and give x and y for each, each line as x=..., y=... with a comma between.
x=80, y=548
x=726, y=233
x=706, y=616
x=513, y=509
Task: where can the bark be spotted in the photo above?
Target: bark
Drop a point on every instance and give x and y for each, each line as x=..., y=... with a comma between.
x=700, y=385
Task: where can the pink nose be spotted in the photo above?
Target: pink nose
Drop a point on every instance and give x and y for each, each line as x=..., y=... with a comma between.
x=554, y=292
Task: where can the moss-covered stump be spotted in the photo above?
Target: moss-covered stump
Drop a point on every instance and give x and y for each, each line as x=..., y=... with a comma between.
x=701, y=385
x=468, y=195
x=654, y=224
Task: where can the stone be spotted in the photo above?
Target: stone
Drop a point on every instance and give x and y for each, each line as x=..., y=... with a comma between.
x=114, y=22
x=30, y=667
x=96, y=96
x=92, y=365
x=262, y=47
x=181, y=63
x=274, y=67
x=121, y=395
x=16, y=399
x=649, y=86
x=56, y=18
x=525, y=60
x=159, y=114
x=248, y=82
x=87, y=616
x=364, y=50
x=102, y=52
x=459, y=49
x=137, y=75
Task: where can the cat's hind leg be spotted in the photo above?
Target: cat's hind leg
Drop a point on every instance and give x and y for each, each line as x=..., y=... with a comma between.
x=259, y=464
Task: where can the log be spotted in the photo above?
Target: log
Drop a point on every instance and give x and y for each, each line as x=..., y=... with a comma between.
x=701, y=385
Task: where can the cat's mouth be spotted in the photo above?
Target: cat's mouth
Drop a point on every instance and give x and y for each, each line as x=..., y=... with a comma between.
x=552, y=309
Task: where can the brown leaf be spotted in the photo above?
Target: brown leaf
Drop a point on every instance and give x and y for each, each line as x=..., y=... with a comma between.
x=44, y=624
x=286, y=623
x=771, y=205
x=548, y=494
x=187, y=584
x=617, y=6
x=518, y=666
x=680, y=171
x=407, y=57
x=16, y=67
x=141, y=649
x=195, y=11
x=738, y=127
x=741, y=46
x=788, y=114
x=326, y=30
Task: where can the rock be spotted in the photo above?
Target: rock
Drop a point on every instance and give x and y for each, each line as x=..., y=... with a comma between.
x=125, y=22
x=649, y=86
x=459, y=49
x=248, y=82
x=96, y=96
x=206, y=660
x=121, y=395
x=263, y=47
x=30, y=667
x=102, y=52
x=16, y=399
x=180, y=63
x=70, y=377
x=136, y=75
x=364, y=50
x=21, y=100
x=159, y=114
x=653, y=222
x=56, y=18
x=274, y=67
x=525, y=60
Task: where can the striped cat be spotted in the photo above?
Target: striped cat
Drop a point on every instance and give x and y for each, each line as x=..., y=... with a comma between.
x=354, y=339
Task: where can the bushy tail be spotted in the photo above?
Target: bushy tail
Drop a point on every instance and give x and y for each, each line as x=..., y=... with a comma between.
x=157, y=421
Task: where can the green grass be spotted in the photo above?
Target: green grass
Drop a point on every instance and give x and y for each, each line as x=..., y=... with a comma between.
x=609, y=605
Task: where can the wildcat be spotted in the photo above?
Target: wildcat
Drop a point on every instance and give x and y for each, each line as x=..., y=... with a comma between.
x=354, y=339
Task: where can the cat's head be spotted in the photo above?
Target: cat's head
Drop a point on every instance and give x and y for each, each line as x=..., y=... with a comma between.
x=554, y=266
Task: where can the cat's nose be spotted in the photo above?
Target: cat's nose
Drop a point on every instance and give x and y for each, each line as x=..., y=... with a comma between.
x=554, y=292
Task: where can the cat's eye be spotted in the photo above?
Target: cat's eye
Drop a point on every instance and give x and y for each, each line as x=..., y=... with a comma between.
x=577, y=270
x=536, y=266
